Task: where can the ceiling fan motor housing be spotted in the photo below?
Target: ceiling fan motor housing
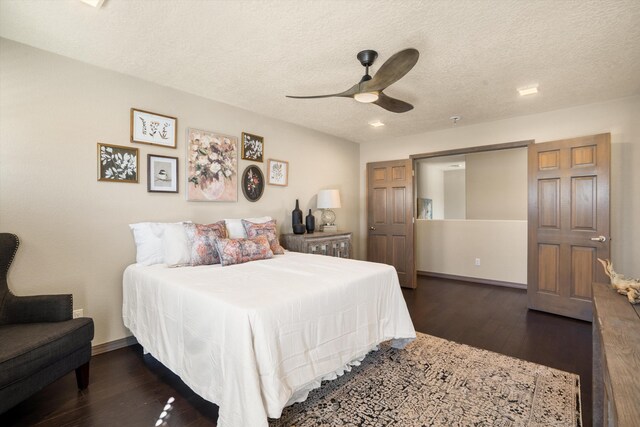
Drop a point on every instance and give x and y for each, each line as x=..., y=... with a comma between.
x=367, y=57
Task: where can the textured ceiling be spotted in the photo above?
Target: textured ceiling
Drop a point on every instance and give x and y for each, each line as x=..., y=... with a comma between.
x=474, y=54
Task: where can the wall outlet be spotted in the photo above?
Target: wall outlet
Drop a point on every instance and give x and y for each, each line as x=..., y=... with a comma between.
x=477, y=262
x=78, y=313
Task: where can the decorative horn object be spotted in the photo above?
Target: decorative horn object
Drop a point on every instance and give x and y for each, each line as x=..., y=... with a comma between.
x=624, y=286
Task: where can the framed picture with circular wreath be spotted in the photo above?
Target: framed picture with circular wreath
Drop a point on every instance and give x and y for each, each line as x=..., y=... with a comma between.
x=252, y=183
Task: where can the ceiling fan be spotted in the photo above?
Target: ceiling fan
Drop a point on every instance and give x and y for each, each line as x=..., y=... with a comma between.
x=369, y=89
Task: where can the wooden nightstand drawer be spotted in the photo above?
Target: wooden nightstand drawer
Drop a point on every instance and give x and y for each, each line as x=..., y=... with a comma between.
x=337, y=244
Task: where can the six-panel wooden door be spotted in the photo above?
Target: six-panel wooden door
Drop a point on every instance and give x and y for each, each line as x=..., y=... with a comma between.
x=568, y=223
x=390, y=217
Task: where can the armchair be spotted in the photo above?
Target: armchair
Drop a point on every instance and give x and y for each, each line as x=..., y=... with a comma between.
x=39, y=339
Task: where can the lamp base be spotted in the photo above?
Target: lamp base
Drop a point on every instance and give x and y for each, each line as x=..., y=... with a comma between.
x=329, y=228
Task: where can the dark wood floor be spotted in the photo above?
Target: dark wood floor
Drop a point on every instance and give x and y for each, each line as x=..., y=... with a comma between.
x=129, y=389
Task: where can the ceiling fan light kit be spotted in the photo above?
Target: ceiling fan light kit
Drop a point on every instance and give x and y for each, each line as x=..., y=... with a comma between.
x=370, y=89
x=366, y=97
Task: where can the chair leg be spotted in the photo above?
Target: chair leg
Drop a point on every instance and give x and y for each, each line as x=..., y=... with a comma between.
x=82, y=376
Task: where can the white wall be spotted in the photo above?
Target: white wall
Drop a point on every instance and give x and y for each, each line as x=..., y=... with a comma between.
x=452, y=246
x=619, y=117
x=73, y=229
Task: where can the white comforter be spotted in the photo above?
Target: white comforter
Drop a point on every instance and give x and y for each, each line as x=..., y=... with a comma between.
x=257, y=336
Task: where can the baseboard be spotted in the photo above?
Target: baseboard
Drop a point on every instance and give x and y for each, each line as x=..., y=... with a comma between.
x=474, y=280
x=113, y=345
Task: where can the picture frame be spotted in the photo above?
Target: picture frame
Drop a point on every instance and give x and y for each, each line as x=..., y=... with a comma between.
x=117, y=163
x=162, y=174
x=252, y=147
x=212, y=166
x=425, y=208
x=153, y=128
x=252, y=183
x=278, y=172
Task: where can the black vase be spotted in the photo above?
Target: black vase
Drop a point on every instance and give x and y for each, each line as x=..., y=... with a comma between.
x=296, y=215
x=310, y=220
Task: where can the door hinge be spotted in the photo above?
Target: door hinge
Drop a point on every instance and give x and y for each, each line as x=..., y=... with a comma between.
x=413, y=172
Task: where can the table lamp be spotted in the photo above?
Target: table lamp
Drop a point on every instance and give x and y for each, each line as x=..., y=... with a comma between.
x=327, y=200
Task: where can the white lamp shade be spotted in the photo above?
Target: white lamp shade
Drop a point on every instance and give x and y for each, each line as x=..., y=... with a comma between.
x=329, y=199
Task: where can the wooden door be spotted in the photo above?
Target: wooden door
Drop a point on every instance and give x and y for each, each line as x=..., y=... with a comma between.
x=390, y=217
x=568, y=223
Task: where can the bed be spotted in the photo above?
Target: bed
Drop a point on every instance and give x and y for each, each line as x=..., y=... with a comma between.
x=256, y=337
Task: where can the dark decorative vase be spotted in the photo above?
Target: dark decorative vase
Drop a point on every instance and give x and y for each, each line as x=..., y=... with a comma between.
x=298, y=228
x=296, y=216
x=310, y=220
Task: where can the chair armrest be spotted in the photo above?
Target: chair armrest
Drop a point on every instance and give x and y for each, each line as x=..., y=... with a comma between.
x=38, y=308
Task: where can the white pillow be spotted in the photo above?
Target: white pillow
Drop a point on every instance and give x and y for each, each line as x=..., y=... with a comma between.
x=148, y=238
x=235, y=229
x=175, y=245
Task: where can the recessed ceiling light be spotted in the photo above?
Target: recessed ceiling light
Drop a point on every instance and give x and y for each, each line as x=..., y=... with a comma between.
x=376, y=124
x=531, y=90
x=94, y=3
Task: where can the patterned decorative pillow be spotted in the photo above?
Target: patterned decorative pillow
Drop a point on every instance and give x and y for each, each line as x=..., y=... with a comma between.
x=267, y=229
x=202, y=239
x=238, y=251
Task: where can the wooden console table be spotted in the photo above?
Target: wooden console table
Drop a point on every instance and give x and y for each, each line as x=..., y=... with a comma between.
x=337, y=244
x=616, y=359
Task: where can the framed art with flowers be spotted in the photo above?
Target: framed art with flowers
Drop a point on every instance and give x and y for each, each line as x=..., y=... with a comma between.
x=252, y=183
x=212, y=166
x=278, y=172
x=252, y=147
x=117, y=163
x=152, y=128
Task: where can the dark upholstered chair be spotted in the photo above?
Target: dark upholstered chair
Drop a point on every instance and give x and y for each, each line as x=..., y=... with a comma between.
x=39, y=340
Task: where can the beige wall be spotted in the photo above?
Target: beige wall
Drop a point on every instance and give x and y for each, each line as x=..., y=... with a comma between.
x=454, y=194
x=452, y=246
x=73, y=229
x=496, y=184
x=619, y=117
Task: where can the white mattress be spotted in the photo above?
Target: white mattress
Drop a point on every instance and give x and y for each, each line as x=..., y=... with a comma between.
x=255, y=337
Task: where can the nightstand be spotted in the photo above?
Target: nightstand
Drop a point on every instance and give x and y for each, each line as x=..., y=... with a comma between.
x=337, y=243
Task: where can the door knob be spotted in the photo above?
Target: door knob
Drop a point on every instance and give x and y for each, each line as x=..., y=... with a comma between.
x=372, y=228
x=601, y=239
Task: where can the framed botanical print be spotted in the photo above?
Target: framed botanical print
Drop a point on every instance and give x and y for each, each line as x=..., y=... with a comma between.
x=117, y=163
x=212, y=166
x=162, y=174
x=252, y=183
x=252, y=147
x=278, y=172
x=152, y=128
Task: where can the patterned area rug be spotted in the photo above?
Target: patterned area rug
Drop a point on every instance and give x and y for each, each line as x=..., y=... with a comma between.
x=435, y=382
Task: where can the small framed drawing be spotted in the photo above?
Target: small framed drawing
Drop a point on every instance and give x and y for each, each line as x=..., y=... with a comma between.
x=152, y=128
x=162, y=174
x=117, y=163
x=278, y=172
x=252, y=183
x=252, y=147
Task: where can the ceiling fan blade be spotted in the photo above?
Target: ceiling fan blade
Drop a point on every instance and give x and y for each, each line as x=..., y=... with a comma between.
x=392, y=70
x=347, y=93
x=392, y=104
